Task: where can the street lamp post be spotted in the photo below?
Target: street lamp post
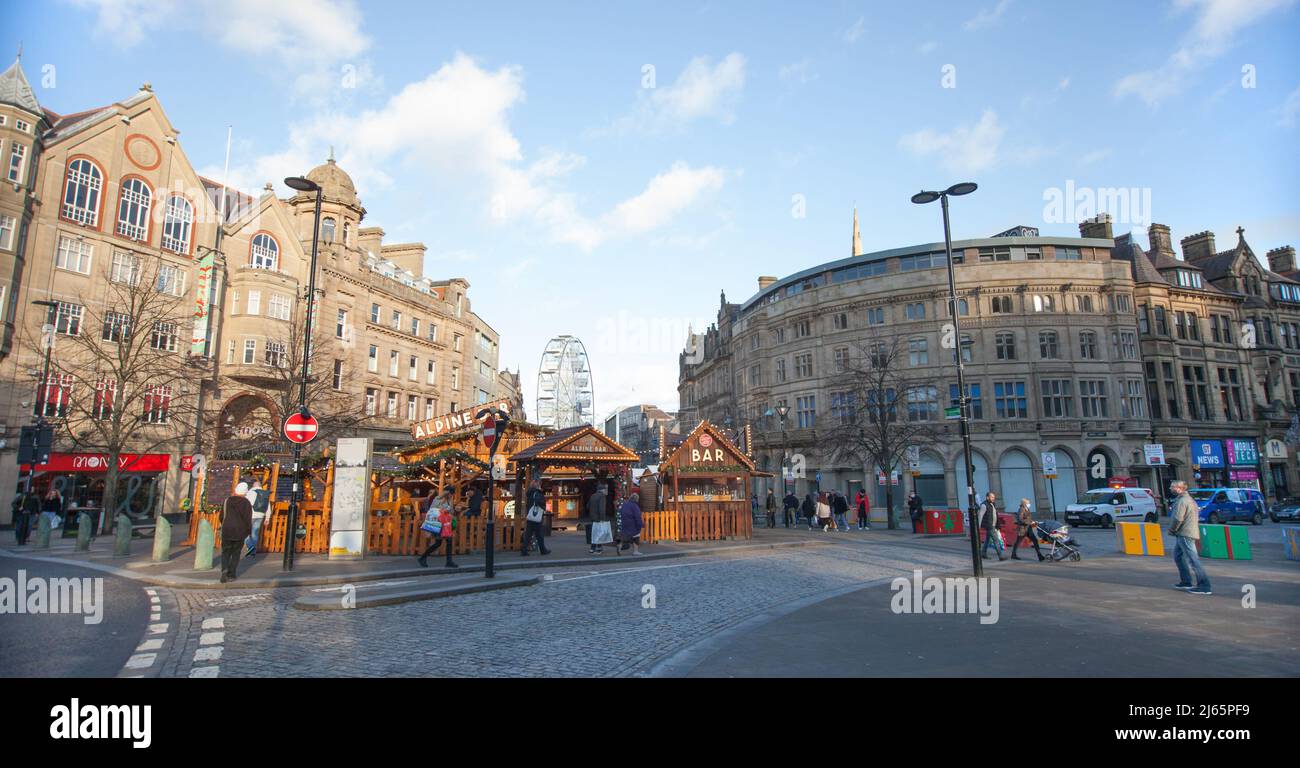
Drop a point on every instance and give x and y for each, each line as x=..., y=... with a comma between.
x=963, y=401
x=42, y=388
x=782, y=411
x=302, y=184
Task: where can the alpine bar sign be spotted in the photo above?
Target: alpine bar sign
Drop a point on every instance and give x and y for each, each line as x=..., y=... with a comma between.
x=300, y=428
x=452, y=422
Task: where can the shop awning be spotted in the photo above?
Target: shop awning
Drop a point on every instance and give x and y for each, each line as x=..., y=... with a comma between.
x=98, y=462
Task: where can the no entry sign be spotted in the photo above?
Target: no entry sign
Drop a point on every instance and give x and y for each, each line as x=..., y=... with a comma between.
x=489, y=431
x=300, y=429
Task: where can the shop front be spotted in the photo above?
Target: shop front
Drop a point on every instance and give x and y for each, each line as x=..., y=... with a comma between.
x=1275, y=451
x=1209, y=467
x=1243, y=463
x=80, y=479
x=704, y=482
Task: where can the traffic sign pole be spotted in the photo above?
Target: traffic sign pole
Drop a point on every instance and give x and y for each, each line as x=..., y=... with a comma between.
x=494, y=424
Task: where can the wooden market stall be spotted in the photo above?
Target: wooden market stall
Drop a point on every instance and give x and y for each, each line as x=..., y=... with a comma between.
x=704, y=481
x=569, y=465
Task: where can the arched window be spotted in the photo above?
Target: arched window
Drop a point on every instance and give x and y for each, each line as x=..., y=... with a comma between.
x=347, y=232
x=265, y=252
x=327, y=229
x=133, y=209
x=81, y=190
x=177, y=224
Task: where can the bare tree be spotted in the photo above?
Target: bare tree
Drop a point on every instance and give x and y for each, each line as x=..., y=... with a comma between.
x=122, y=379
x=881, y=406
x=330, y=398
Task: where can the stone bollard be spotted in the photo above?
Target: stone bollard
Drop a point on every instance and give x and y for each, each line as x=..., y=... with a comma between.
x=162, y=540
x=122, y=536
x=203, y=544
x=43, y=532
x=83, y=532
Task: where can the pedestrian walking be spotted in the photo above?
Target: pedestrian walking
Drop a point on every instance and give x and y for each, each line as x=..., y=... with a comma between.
x=260, y=499
x=771, y=508
x=1186, y=530
x=790, y=509
x=823, y=509
x=809, y=509
x=27, y=509
x=52, y=507
x=864, y=511
x=916, y=510
x=598, y=515
x=440, y=523
x=535, y=503
x=840, y=506
x=989, y=522
x=630, y=523
x=1025, y=527
x=236, y=525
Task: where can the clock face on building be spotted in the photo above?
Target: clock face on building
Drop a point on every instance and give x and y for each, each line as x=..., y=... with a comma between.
x=142, y=152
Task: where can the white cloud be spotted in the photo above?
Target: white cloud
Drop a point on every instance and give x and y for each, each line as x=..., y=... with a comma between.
x=987, y=17
x=1095, y=156
x=854, y=32
x=454, y=125
x=1213, y=32
x=1290, y=109
x=317, y=44
x=929, y=46
x=799, y=72
x=964, y=149
x=1062, y=84
x=702, y=90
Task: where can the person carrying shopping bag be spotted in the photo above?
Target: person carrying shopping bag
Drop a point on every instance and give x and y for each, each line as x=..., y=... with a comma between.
x=598, y=530
x=440, y=523
x=989, y=522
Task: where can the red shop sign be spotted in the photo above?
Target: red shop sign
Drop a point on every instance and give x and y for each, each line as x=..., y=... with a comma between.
x=98, y=462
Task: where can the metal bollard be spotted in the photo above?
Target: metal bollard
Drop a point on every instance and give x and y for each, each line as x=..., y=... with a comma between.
x=83, y=532
x=162, y=540
x=122, y=536
x=203, y=544
x=43, y=532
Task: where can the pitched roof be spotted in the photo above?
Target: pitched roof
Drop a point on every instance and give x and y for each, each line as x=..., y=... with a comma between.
x=15, y=90
x=1143, y=270
x=554, y=444
x=666, y=457
x=1216, y=266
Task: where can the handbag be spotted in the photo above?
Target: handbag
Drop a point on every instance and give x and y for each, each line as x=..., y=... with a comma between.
x=601, y=534
x=431, y=523
x=535, y=514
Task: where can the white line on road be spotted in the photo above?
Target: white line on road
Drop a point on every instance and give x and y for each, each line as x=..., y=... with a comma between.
x=205, y=671
x=217, y=623
x=212, y=638
x=621, y=571
x=150, y=645
x=141, y=661
x=362, y=585
x=157, y=629
x=208, y=654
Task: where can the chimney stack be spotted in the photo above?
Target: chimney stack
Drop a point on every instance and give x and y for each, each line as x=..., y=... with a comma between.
x=1161, y=242
x=764, y=281
x=1282, y=260
x=1097, y=227
x=1198, y=246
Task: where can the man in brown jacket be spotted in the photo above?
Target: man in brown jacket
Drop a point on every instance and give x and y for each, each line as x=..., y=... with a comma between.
x=236, y=526
x=1186, y=530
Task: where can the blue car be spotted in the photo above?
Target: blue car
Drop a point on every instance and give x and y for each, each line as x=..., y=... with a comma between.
x=1226, y=505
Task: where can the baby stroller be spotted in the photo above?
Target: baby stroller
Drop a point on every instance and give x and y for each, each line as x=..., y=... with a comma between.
x=1060, y=545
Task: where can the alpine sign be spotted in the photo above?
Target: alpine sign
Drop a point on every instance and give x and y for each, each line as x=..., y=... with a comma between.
x=300, y=428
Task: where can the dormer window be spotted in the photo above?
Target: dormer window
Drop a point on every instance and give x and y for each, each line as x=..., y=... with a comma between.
x=1189, y=279
x=264, y=252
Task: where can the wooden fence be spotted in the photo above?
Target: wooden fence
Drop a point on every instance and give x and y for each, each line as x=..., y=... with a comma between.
x=699, y=521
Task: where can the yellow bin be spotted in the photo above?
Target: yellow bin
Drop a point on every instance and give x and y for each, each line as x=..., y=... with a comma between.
x=1140, y=539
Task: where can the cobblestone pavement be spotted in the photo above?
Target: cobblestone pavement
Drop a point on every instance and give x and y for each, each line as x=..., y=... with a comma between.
x=583, y=623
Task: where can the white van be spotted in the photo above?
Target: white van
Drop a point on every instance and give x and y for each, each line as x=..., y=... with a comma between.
x=1107, y=506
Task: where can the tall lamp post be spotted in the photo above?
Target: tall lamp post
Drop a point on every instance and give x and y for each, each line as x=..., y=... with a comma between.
x=782, y=411
x=42, y=388
x=302, y=184
x=963, y=401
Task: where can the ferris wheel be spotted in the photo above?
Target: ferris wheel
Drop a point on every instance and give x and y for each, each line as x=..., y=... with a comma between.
x=564, y=394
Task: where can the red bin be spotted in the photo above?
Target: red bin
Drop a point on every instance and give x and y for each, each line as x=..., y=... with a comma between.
x=944, y=521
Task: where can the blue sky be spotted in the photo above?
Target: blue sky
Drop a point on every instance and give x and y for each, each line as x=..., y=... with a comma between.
x=523, y=144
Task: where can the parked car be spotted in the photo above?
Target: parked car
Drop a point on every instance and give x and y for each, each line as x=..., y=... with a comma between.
x=1286, y=509
x=1225, y=505
x=1107, y=506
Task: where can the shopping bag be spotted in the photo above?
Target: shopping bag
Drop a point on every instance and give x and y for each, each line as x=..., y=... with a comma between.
x=431, y=523
x=601, y=534
x=535, y=514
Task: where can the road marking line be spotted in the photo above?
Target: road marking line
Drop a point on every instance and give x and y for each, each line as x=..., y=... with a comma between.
x=155, y=617
x=622, y=571
x=212, y=638
x=151, y=592
x=150, y=645
x=141, y=661
x=205, y=671
x=155, y=600
x=208, y=654
x=157, y=629
x=217, y=623
x=363, y=585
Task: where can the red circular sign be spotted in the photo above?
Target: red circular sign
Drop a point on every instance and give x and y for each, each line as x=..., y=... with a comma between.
x=300, y=429
x=489, y=431
x=705, y=440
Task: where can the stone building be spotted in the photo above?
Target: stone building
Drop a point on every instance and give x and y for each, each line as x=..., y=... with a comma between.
x=1079, y=347
x=92, y=196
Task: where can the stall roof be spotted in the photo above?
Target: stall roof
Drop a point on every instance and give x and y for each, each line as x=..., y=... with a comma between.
x=581, y=443
x=471, y=433
x=666, y=464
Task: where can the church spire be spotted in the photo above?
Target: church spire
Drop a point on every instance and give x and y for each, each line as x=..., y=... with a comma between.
x=857, y=236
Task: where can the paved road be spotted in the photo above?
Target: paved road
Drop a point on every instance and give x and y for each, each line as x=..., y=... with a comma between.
x=63, y=645
x=584, y=623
